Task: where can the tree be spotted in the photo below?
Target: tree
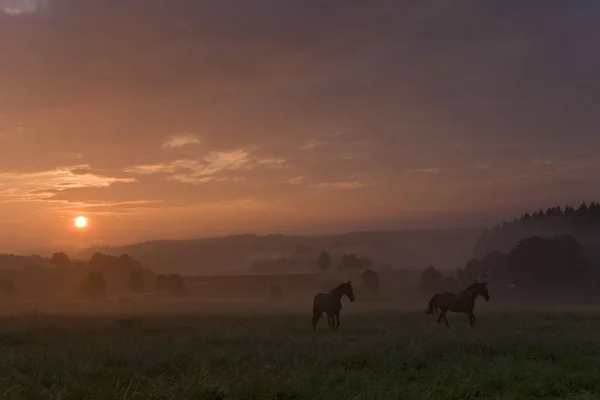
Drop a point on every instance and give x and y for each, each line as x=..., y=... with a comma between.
x=93, y=285
x=495, y=267
x=577, y=221
x=176, y=285
x=352, y=262
x=324, y=261
x=172, y=284
x=450, y=284
x=7, y=289
x=276, y=292
x=161, y=283
x=370, y=280
x=385, y=269
x=569, y=211
x=270, y=264
x=100, y=261
x=470, y=273
x=127, y=263
x=582, y=210
x=136, y=281
x=60, y=260
x=117, y=272
x=366, y=263
x=431, y=281
x=550, y=263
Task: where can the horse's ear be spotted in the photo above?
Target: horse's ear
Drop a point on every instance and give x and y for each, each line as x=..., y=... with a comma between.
x=349, y=282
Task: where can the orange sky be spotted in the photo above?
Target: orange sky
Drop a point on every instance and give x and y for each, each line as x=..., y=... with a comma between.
x=192, y=118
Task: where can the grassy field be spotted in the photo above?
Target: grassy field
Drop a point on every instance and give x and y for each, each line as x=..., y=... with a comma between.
x=385, y=355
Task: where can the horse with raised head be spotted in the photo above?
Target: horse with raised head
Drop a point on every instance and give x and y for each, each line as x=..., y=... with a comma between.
x=463, y=302
x=331, y=304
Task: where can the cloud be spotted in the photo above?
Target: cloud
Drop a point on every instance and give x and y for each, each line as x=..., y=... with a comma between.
x=207, y=169
x=170, y=167
x=275, y=164
x=106, y=207
x=338, y=138
x=297, y=180
x=44, y=185
x=18, y=195
x=67, y=155
x=174, y=142
x=77, y=176
x=341, y=185
x=346, y=156
x=313, y=144
x=231, y=160
x=430, y=171
x=482, y=166
x=12, y=11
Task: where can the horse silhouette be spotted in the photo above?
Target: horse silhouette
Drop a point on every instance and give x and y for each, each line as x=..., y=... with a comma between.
x=463, y=302
x=331, y=304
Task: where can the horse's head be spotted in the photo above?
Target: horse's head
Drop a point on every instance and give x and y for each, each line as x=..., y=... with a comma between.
x=479, y=289
x=483, y=291
x=348, y=291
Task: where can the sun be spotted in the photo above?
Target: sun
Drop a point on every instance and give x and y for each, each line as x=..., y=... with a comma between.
x=81, y=222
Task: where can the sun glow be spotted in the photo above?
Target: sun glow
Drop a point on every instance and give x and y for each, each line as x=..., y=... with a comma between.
x=81, y=222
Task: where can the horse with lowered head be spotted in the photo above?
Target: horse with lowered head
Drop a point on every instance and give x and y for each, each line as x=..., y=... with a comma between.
x=331, y=304
x=463, y=302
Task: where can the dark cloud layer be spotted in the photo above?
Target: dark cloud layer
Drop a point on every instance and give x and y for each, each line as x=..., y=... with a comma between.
x=384, y=109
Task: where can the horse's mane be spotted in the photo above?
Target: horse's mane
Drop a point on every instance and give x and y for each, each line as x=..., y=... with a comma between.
x=339, y=287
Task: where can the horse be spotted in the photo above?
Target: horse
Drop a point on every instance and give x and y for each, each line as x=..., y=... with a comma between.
x=331, y=303
x=463, y=302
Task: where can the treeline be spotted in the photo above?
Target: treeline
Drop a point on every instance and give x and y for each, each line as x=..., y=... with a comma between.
x=298, y=254
x=100, y=276
x=578, y=222
x=347, y=262
x=369, y=278
x=551, y=268
x=325, y=262
x=12, y=262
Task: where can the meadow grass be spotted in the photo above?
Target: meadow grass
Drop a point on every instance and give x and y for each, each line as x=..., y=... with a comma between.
x=551, y=355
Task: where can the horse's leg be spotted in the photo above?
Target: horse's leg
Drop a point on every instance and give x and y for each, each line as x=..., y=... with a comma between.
x=330, y=320
x=337, y=320
x=440, y=317
x=315, y=318
x=472, y=319
x=446, y=320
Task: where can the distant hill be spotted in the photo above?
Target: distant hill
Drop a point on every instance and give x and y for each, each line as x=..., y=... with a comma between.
x=236, y=254
x=583, y=223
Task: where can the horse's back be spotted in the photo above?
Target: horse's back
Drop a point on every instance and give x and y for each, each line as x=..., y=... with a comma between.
x=325, y=302
x=454, y=302
x=444, y=296
x=318, y=300
x=446, y=300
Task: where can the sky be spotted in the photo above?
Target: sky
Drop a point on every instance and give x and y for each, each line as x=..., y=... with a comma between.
x=189, y=118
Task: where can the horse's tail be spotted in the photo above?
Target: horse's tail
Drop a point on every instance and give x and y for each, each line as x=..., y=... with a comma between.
x=432, y=305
